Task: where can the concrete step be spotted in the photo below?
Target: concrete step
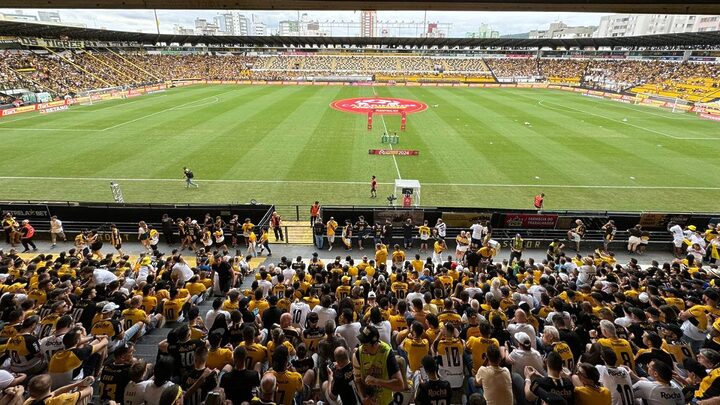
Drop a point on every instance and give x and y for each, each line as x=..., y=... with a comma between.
x=298, y=233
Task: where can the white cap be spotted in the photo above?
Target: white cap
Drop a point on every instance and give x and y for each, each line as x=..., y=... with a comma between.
x=371, y=294
x=110, y=306
x=644, y=297
x=523, y=339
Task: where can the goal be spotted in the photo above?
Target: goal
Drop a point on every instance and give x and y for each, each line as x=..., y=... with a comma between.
x=675, y=104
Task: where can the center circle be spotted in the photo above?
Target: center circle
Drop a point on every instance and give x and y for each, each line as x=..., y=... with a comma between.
x=378, y=105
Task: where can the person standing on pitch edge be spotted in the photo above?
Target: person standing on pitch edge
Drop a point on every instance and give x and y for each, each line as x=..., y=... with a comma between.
x=539, y=201
x=373, y=187
x=189, y=178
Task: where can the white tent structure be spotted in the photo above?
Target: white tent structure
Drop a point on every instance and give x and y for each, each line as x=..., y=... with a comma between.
x=403, y=187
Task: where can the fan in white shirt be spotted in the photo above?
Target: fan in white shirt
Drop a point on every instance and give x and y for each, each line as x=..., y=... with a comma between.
x=615, y=379
x=325, y=313
x=299, y=310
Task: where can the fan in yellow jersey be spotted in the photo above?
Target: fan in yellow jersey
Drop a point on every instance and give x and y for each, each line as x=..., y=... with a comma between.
x=438, y=248
x=40, y=390
x=588, y=389
x=252, y=244
x=331, y=226
x=111, y=328
x=551, y=338
x=313, y=333
x=424, y=232
x=399, y=287
x=381, y=254
x=478, y=346
x=173, y=309
x=68, y=364
x=264, y=242
x=412, y=342
x=621, y=347
x=344, y=290
x=247, y=229
x=289, y=383
x=674, y=345
x=256, y=353
x=135, y=314
x=24, y=349
x=449, y=315
x=398, y=256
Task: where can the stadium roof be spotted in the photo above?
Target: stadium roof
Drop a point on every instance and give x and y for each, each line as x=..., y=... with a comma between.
x=617, y=6
x=87, y=34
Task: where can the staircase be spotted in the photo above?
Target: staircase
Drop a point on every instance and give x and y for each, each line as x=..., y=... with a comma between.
x=298, y=233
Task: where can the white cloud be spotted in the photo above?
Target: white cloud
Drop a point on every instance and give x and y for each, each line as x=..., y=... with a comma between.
x=144, y=20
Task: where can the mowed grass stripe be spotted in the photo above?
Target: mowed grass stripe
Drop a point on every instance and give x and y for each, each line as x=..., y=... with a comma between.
x=167, y=139
x=575, y=152
x=641, y=153
x=462, y=152
x=233, y=138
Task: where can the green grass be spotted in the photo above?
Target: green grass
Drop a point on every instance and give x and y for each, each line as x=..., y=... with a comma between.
x=284, y=145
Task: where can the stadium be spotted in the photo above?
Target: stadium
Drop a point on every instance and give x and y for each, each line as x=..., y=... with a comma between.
x=446, y=220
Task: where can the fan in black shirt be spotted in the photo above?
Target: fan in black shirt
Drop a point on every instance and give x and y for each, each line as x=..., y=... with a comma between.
x=239, y=383
x=340, y=379
x=434, y=390
x=182, y=350
x=116, y=375
x=302, y=363
x=200, y=380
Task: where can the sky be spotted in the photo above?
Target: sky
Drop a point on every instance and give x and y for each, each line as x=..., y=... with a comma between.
x=143, y=20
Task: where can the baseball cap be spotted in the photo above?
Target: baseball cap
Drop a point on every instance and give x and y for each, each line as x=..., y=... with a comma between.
x=369, y=334
x=523, y=339
x=345, y=278
x=109, y=307
x=670, y=327
x=5, y=379
x=371, y=295
x=691, y=227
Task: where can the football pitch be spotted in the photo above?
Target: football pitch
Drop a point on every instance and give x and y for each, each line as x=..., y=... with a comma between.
x=478, y=147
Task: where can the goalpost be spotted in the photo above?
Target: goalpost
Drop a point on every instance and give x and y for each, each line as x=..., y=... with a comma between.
x=675, y=104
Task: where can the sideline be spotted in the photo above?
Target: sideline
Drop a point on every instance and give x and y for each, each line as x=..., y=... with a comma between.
x=238, y=181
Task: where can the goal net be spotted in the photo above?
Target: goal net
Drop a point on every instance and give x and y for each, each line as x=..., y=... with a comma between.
x=675, y=104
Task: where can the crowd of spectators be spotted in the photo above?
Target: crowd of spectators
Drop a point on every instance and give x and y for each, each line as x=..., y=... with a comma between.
x=71, y=72
x=514, y=67
x=469, y=326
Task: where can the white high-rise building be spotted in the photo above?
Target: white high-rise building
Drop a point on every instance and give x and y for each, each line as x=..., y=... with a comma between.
x=624, y=25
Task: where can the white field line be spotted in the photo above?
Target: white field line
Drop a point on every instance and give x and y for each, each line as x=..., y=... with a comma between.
x=160, y=112
x=564, y=107
x=386, y=131
x=305, y=182
x=54, y=129
x=643, y=110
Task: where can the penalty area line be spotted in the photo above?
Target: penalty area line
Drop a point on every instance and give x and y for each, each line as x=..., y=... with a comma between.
x=489, y=185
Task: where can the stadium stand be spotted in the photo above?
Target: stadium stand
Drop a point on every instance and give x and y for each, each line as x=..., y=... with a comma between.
x=452, y=322
x=465, y=315
x=72, y=72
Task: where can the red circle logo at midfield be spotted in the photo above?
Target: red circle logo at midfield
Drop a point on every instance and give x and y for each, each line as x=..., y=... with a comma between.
x=378, y=105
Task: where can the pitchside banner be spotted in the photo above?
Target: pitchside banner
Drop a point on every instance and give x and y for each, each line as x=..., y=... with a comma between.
x=530, y=221
x=396, y=152
x=659, y=221
x=465, y=219
x=33, y=212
